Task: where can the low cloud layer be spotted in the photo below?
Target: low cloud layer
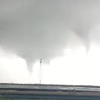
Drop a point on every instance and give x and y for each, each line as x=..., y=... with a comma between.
x=75, y=67
x=13, y=68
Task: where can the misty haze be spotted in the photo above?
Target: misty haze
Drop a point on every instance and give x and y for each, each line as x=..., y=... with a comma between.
x=64, y=33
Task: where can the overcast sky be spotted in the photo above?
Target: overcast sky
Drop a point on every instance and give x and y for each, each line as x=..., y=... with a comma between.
x=34, y=29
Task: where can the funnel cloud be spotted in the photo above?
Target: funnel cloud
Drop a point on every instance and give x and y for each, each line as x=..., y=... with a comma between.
x=41, y=28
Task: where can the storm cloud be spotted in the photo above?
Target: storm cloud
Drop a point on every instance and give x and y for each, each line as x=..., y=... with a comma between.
x=43, y=28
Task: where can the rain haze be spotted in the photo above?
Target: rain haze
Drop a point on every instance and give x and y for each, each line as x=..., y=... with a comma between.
x=64, y=33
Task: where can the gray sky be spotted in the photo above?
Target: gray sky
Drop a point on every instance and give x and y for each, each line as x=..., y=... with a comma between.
x=43, y=28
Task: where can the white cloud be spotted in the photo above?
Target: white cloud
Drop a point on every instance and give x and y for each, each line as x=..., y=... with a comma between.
x=12, y=68
x=74, y=67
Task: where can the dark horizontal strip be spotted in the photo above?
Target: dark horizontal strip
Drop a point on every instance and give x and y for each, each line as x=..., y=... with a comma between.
x=49, y=85
x=26, y=89
x=48, y=90
x=51, y=97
